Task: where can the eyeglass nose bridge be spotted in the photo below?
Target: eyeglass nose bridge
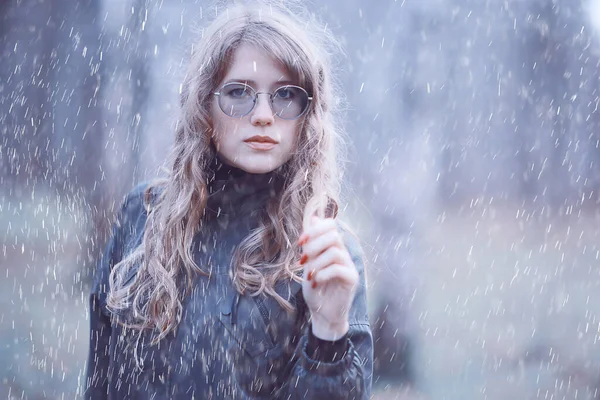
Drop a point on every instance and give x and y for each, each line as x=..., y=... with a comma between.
x=255, y=102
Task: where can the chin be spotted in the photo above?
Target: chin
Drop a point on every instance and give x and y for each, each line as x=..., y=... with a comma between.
x=257, y=168
x=258, y=165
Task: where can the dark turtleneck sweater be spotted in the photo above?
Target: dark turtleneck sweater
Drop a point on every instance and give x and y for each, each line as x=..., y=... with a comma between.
x=243, y=196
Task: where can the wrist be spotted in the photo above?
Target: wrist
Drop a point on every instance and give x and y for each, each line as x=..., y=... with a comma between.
x=327, y=331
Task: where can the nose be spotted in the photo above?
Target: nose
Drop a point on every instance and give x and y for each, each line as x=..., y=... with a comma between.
x=262, y=114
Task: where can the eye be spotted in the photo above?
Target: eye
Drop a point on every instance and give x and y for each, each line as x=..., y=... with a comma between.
x=285, y=93
x=237, y=92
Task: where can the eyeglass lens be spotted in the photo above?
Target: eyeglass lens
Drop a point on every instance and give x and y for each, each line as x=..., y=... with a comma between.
x=288, y=102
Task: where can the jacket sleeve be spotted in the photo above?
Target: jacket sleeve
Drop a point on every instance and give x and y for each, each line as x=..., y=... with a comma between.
x=98, y=362
x=330, y=373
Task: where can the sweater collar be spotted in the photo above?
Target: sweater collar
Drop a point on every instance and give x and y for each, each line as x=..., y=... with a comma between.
x=232, y=190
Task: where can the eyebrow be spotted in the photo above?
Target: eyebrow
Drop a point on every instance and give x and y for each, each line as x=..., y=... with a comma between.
x=252, y=83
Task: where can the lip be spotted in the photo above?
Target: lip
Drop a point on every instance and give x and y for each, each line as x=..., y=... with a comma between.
x=261, y=139
x=261, y=145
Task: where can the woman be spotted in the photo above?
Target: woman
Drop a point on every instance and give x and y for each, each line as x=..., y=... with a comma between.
x=232, y=278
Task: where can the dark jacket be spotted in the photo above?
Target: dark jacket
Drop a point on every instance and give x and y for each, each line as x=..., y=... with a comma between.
x=226, y=346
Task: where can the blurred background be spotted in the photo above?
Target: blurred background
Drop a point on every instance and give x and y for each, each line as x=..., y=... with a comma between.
x=473, y=181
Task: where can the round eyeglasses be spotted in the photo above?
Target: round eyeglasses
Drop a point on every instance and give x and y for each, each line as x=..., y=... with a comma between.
x=239, y=99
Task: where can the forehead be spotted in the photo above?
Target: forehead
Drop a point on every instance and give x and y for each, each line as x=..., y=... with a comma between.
x=250, y=63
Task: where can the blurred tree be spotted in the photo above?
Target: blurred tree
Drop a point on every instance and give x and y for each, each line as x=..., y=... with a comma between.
x=139, y=62
x=51, y=107
x=26, y=77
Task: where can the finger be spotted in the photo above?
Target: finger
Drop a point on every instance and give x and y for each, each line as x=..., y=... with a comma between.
x=333, y=255
x=335, y=272
x=319, y=244
x=319, y=227
x=313, y=207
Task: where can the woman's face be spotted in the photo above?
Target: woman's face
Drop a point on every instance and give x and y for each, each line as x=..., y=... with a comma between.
x=233, y=136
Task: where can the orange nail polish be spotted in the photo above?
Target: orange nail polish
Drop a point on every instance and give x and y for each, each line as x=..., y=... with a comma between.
x=303, y=259
x=314, y=284
x=310, y=275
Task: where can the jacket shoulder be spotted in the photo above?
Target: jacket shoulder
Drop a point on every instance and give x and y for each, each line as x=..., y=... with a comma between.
x=139, y=199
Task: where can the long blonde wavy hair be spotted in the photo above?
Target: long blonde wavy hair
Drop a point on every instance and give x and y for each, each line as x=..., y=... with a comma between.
x=268, y=254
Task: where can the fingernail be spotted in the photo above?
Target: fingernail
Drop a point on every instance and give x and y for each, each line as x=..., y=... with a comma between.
x=314, y=284
x=303, y=259
x=302, y=239
x=310, y=275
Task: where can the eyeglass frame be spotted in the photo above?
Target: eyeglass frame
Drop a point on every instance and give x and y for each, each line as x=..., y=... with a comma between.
x=255, y=101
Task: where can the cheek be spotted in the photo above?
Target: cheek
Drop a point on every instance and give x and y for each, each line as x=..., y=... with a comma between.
x=215, y=120
x=295, y=133
x=223, y=126
x=291, y=135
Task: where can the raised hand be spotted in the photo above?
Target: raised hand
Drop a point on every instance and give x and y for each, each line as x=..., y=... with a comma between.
x=330, y=277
